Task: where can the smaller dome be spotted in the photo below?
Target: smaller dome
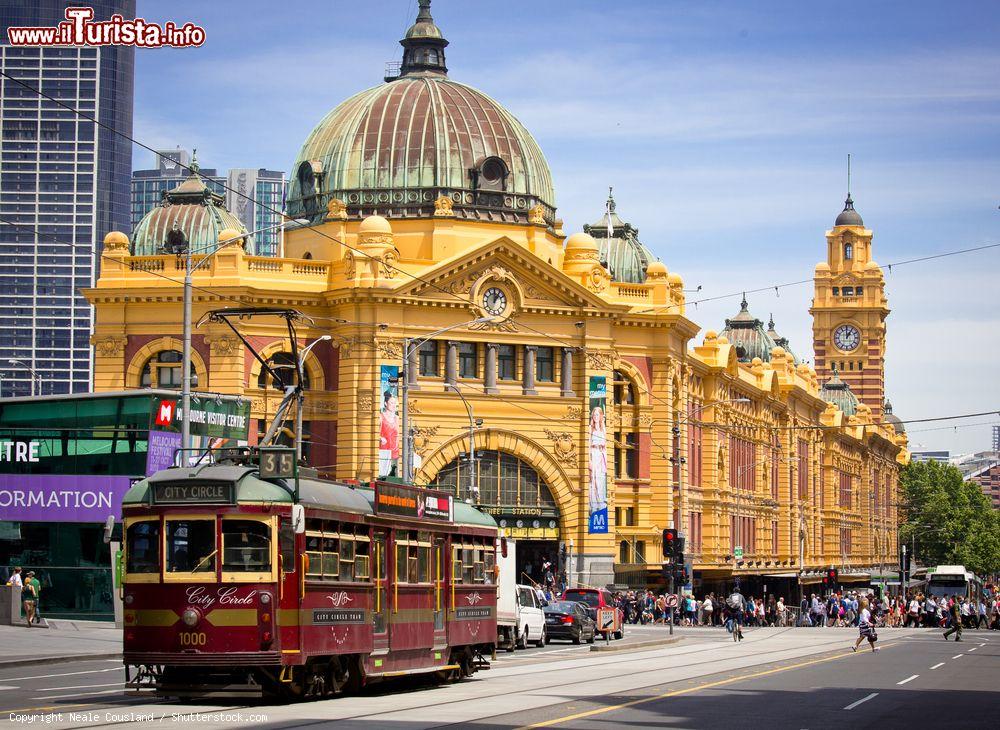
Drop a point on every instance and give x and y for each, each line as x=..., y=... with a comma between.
x=675, y=279
x=375, y=224
x=892, y=419
x=115, y=239
x=621, y=252
x=228, y=234
x=656, y=269
x=848, y=216
x=782, y=342
x=822, y=268
x=747, y=335
x=581, y=242
x=839, y=393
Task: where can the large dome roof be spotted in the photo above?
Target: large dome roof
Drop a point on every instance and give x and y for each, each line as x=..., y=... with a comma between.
x=394, y=149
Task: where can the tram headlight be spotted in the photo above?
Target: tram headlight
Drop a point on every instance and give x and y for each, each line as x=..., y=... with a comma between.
x=190, y=617
x=265, y=598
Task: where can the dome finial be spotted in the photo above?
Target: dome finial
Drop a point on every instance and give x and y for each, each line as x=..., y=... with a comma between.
x=744, y=305
x=611, y=199
x=194, y=166
x=423, y=45
x=770, y=320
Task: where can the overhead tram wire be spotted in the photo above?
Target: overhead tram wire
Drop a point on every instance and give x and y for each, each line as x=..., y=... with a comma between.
x=416, y=277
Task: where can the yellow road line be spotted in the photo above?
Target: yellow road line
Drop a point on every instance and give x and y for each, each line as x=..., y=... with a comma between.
x=688, y=690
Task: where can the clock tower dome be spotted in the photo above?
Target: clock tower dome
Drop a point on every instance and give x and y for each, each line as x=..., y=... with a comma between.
x=849, y=309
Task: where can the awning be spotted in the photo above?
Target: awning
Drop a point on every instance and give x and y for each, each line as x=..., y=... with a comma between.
x=792, y=574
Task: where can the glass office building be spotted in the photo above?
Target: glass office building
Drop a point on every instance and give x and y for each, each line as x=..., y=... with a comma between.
x=63, y=182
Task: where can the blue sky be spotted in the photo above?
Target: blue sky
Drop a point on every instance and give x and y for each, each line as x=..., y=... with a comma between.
x=723, y=127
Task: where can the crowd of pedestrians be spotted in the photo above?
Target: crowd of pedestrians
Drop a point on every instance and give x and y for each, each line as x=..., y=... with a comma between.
x=647, y=607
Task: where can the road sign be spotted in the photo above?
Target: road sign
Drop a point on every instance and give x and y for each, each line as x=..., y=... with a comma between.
x=672, y=600
x=738, y=552
x=606, y=619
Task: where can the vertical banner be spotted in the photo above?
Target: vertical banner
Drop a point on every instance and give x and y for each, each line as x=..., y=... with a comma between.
x=598, y=507
x=388, y=440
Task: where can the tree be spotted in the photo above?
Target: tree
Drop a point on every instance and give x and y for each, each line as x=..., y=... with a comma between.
x=953, y=522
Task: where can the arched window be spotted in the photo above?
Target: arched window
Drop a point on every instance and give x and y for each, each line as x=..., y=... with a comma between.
x=848, y=251
x=626, y=441
x=284, y=365
x=503, y=480
x=625, y=393
x=163, y=370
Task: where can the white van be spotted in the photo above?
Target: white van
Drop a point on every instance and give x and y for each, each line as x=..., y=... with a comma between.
x=530, y=618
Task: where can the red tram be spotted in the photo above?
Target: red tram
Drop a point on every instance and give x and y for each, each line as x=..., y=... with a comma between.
x=233, y=589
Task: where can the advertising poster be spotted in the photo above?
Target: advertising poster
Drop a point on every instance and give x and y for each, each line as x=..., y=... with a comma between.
x=61, y=497
x=388, y=440
x=598, y=506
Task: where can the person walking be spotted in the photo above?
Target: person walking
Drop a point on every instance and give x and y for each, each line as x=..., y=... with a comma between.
x=15, y=579
x=956, y=621
x=707, y=609
x=866, y=630
x=30, y=595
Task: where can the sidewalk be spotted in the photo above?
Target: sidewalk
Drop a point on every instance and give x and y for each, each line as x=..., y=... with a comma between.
x=62, y=641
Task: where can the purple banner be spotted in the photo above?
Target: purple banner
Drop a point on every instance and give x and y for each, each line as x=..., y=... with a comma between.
x=160, y=452
x=61, y=497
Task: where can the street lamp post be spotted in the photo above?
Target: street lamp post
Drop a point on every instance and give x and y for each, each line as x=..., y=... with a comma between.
x=409, y=347
x=35, y=375
x=473, y=424
x=189, y=269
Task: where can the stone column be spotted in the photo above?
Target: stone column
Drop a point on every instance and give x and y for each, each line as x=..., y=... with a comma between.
x=566, y=373
x=451, y=363
x=490, y=376
x=528, y=380
x=413, y=368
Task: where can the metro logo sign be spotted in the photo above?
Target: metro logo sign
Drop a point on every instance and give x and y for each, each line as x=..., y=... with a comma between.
x=165, y=413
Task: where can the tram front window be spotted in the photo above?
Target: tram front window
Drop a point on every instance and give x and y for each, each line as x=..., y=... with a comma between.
x=191, y=546
x=246, y=546
x=142, y=547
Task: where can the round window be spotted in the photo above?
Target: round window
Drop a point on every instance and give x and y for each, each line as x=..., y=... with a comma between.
x=493, y=170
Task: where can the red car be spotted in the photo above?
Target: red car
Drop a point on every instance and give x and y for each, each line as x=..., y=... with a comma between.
x=595, y=599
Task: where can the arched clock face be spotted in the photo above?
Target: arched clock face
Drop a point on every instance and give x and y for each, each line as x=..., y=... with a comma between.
x=495, y=301
x=846, y=337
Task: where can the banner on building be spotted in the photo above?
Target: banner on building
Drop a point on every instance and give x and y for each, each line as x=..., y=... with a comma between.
x=598, y=504
x=216, y=419
x=61, y=497
x=388, y=439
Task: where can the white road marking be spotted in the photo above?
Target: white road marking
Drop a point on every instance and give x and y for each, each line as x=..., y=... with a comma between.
x=80, y=686
x=64, y=674
x=973, y=648
x=80, y=694
x=939, y=664
x=958, y=656
x=908, y=679
x=6, y=687
x=863, y=699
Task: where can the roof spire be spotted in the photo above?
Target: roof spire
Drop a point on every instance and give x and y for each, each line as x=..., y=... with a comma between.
x=423, y=45
x=194, y=166
x=770, y=321
x=744, y=304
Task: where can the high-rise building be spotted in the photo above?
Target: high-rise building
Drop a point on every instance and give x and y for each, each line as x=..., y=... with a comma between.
x=254, y=195
x=996, y=438
x=62, y=179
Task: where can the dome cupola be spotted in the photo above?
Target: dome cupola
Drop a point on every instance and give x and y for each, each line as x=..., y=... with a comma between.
x=747, y=335
x=782, y=342
x=891, y=419
x=621, y=252
x=839, y=393
x=190, y=215
x=394, y=149
x=848, y=216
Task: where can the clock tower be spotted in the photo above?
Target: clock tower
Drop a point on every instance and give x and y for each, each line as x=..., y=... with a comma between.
x=849, y=309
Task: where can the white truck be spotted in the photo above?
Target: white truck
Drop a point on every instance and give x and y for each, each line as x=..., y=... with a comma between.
x=520, y=618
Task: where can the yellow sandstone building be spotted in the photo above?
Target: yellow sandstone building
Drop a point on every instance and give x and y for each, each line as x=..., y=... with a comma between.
x=422, y=205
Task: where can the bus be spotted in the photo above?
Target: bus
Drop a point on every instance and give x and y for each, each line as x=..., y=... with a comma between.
x=950, y=580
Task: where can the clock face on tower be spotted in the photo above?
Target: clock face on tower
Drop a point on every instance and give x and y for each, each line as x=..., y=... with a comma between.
x=846, y=338
x=495, y=301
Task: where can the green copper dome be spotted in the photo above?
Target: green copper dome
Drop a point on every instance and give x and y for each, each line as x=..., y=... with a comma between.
x=190, y=214
x=396, y=148
x=746, y=333
x=621, y=252
x=839, y=393
x=780, y=341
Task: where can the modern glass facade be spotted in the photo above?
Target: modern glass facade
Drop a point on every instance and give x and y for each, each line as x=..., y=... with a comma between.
x=63, y=182
x=265, y=187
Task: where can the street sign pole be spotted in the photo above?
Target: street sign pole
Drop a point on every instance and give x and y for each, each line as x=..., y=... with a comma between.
x=670, y=609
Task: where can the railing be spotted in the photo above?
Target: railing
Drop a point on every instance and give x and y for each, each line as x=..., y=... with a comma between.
x=147, y=263
x=633, y=291
x=261, y=263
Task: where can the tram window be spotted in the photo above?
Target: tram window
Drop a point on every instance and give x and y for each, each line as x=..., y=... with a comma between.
x=246, y=546
x=143, y=547
x=361, y=567
x=314, y=555
x=423, y=564
x=331, y=558
x=490, y=565
x=401, y=562
x=191, y=546
x=286, y=540
x=456, y=571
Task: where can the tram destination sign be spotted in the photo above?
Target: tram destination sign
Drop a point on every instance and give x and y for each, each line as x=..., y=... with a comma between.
x=181, y=493
x=405, y=501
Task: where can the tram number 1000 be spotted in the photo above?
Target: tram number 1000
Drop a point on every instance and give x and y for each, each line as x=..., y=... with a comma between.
x=193, y=638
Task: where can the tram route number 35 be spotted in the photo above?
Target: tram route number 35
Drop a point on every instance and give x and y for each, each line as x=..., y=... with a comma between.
x=277, y=463
x=193, y=638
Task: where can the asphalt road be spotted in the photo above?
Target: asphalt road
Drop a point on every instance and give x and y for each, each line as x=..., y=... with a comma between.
x=777, y=678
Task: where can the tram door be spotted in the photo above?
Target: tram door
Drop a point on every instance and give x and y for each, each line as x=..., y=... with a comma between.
x=380, y=609
x=438, y=575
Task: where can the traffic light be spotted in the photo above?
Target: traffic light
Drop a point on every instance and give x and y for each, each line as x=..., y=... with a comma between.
x=831, y=575
x=681, y=574
x=669, y=543
x=904, y=561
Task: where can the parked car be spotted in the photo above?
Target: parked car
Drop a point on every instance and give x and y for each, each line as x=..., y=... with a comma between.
x=594, y=599
x=569, y=620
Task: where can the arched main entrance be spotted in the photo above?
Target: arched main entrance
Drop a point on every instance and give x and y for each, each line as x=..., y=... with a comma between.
x=510, y=489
